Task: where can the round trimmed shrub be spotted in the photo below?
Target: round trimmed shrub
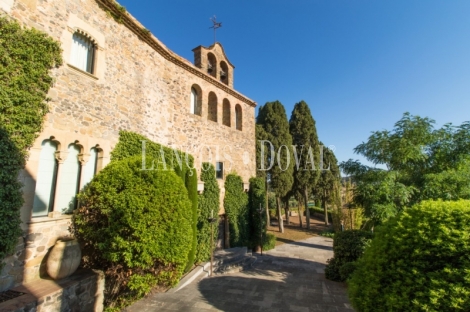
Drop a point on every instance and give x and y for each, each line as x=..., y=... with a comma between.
x=417, y=261
x=136, y=226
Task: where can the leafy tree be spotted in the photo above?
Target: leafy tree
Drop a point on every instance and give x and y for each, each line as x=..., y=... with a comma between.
x=327, y=189
x=304, y=137
x=420, y=163
x=280, y=176
x=272, y=117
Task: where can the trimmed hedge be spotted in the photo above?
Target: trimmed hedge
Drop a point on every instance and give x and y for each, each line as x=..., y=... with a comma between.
x=236, y=210
x=134, y=225
x=348, y=246
x=209, y=203
x=130, y=144
x=191, y=186
x=417, y=261
x=269, y=242
x=257, y=221
x=26, y=58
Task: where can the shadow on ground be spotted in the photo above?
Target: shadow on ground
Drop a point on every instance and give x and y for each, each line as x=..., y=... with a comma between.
x=275, y=284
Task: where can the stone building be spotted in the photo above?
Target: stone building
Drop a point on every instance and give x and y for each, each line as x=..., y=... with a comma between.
x=118, y=76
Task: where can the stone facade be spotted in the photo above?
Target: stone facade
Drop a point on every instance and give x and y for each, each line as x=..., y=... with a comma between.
x=81, y=292
x=137, y=85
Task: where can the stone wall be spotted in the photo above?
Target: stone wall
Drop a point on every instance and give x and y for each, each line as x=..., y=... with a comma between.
x=82, y=291
x=138, y=85
x=28, y=263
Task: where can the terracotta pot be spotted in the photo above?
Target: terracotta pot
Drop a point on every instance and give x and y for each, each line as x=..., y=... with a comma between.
x=64, y=258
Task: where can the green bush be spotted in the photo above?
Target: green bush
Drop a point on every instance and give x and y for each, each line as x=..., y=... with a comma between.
x=257, y=221
x=417, y=261
x=348, y=246
x=131, y=144
x=318, y=211
x=191, y=186
x=134, y=225
x=236, y=210
x=209, y=204
x=26, y=58
x=269, y=241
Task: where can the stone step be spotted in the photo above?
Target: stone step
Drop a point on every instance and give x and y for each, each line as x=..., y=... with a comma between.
x=232, y=260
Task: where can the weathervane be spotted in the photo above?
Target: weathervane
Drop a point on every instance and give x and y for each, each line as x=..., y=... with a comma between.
x=215, y=26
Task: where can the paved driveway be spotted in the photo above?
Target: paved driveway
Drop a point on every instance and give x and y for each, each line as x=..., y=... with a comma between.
x=288, y=278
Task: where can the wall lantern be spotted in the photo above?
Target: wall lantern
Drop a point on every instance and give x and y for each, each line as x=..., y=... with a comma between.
x=200, y=187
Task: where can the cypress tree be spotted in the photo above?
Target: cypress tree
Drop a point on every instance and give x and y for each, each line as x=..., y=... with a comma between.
x=261, y=135
x=208, y=206
x=305, y=138
x=272, y=117
x=327, y=189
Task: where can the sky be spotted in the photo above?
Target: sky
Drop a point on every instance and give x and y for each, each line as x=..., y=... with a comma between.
x=358, y=64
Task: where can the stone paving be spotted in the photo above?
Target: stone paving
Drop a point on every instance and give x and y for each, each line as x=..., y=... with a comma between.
x=288, y=278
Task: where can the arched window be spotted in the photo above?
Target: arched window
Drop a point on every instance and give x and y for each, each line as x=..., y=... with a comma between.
x=196, y=100
x=69, y=180
x=46, y=180
x=90, y=168
x=83, y=52
x=238, y=117
x=212, y=107
x=211, y=65
x=226, y=113
x=224, y=72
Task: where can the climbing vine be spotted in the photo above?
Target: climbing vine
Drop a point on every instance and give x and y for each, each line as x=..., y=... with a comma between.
x=26, y=58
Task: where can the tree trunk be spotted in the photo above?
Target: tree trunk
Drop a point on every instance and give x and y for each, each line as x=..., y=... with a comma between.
x=279, y=215
x=326, y=210
x=307, y=211
x=268, y=219
x=300, y=212
x=286, y=209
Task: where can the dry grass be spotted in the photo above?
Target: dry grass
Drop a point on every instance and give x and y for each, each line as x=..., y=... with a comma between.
x=293, y=232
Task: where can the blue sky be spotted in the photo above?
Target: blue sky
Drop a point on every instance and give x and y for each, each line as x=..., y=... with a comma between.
x=358, y=64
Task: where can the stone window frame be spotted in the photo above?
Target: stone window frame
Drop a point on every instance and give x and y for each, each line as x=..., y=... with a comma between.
x=77, y=25
x=61, y=156
x=198, y=108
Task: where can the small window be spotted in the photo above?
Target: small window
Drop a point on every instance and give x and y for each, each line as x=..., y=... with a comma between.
x=219, y=170
x=196, y=102
x=226, y=113
x=212, y=107
x=83, y=53
x=238, y=117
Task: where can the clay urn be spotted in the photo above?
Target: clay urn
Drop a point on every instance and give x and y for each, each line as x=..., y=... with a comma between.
x=64, y=258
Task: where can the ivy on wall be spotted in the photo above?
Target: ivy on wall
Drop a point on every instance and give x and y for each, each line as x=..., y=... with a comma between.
x=26, y=58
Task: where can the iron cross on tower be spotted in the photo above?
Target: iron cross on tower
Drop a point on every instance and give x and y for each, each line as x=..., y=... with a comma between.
x=215, y=26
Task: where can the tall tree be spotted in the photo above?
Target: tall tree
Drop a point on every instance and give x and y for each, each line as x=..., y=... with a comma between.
x=307, y=152
x=420, y=163
x=262, y=159
x=327, y=189
x=272, y=117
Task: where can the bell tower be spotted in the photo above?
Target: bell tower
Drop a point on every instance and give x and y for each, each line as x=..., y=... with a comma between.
x=214, y=62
